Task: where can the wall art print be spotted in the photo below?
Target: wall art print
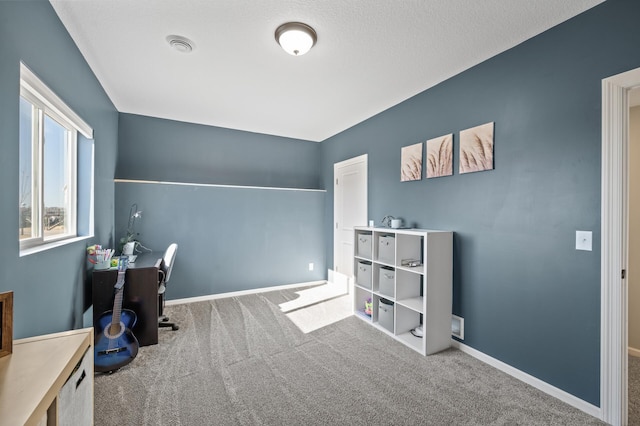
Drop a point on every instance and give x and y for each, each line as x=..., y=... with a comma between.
x=411, y=163
x=440, y=156
x=476, y=149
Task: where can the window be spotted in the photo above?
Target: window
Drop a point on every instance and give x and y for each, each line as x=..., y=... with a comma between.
x=49, y=139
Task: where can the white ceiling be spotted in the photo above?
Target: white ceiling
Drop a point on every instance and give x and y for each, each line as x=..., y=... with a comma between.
x=370, y=55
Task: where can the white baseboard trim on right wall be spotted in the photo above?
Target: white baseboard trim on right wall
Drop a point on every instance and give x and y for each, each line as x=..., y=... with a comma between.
x=530, y=380
x=634, y=351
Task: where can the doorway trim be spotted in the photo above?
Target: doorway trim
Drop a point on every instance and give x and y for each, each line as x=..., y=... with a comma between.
x=613, y=246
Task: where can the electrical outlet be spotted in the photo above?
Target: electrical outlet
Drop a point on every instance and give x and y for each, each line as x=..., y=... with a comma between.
x=311, y=266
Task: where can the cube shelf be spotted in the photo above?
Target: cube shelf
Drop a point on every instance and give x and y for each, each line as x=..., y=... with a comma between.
x=413, y=270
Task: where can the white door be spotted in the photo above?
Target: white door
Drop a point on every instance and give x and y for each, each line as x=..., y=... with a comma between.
x=349, y=209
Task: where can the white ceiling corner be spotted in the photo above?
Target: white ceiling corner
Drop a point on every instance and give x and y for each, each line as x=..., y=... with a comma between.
x=370, y=55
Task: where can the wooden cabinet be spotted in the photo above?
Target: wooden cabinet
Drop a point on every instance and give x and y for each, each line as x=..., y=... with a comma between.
x=403, y=280
x=140, y=295
x=32, y=377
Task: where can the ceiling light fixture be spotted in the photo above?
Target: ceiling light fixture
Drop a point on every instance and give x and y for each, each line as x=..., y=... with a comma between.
x=179, y=43
x=296, y=38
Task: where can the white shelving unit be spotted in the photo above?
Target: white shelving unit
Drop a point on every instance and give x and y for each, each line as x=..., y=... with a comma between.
x=420, y=294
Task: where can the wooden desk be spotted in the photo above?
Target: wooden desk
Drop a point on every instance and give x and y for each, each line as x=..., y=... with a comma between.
x=33, y=375
x=140, y=295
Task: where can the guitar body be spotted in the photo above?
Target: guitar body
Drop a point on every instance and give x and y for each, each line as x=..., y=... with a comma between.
x=116, y=346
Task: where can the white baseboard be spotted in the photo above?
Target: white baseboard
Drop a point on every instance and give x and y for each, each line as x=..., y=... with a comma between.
x=634, y=351
x=240, y=293
x=530, y=380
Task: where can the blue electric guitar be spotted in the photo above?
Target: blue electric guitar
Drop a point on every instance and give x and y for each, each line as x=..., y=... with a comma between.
x=116, y=345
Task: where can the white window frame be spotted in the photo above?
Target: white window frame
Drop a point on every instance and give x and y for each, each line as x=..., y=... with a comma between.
x=45, y=101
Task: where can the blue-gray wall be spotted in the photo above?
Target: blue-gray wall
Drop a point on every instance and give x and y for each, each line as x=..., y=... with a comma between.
x=527, y=296
x=166, y=150
x=230, y=238
x=49, y=287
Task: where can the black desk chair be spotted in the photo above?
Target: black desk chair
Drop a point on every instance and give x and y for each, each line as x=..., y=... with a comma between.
x=164, y=274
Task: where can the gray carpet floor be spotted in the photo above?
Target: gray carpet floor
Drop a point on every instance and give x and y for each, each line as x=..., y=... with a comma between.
x=240, y=361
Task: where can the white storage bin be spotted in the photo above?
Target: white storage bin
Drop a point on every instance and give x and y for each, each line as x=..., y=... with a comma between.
x=75, y=400
x=363, y=274
x=385, y=314
x=387, y=249
x=364, y=245
x=386, y=279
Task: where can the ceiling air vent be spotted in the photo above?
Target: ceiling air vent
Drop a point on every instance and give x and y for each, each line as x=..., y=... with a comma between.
x=179, y=43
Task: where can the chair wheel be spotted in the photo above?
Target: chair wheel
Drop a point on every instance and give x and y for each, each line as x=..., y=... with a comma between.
x=174, y=327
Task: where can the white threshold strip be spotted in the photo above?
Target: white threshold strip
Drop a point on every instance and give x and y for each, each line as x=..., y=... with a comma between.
x=215, y=185
x=530, y=380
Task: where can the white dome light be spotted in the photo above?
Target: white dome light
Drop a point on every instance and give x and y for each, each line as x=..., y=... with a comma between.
x=296, y=38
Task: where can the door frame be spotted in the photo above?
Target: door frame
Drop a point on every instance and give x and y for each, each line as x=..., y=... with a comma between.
x=614, y=246
x=364, y=158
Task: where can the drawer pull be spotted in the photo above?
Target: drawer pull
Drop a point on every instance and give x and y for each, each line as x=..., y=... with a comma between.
x=82, y=376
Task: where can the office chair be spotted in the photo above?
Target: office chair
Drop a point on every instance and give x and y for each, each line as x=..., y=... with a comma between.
x=164, y=274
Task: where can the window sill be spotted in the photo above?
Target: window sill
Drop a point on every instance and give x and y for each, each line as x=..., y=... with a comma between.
x=48, y=246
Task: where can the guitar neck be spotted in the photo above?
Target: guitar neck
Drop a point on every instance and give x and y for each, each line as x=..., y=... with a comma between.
x=117, y=301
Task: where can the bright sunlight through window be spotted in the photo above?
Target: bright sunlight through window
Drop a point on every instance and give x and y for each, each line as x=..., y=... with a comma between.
x=48, y=191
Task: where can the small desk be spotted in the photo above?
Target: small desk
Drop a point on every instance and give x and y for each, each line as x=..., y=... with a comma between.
x=140, y=294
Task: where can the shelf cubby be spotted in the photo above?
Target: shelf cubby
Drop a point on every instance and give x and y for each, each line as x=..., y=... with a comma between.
x=384, y=281
x=364, y=244
x=384, y=248
x=363, y=271
x=360, y=296
x=382, y=319
x=407, y=320
x=409, y=290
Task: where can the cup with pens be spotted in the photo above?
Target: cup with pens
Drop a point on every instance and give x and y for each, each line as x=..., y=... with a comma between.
x=102, y=258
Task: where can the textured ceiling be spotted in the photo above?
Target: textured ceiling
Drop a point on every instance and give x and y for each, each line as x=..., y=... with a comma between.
x=370, y=55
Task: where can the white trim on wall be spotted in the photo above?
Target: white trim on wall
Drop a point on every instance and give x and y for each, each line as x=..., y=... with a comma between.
x=634, y=352
x=530, y=380
x=215, y=185
x=613, y=246
x=42, y=92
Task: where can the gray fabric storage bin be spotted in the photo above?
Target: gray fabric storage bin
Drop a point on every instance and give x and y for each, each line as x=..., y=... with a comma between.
x=386, y=281
x=363, y=274
x=364, y=245
x=387, y=249
x=385, y=314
